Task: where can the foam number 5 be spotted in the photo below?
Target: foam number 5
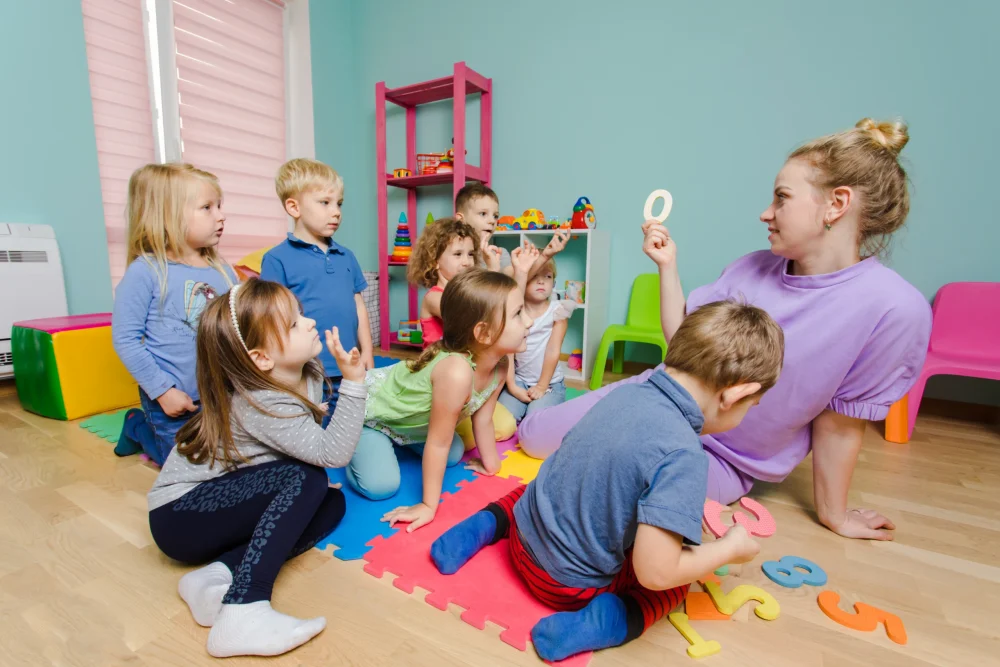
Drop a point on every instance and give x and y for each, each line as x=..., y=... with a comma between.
x=762, y=525
x=728, y=603
x=786, y=572
x=866, y=619
x=699, y=648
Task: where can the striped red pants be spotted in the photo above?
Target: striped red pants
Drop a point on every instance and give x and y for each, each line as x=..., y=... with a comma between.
x=653, y=605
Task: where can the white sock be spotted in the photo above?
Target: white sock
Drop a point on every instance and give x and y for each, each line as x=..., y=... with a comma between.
x=256, y=629
x=203, y=590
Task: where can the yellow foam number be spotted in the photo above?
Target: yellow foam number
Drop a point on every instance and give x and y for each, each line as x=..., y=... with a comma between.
x=728, y=603
x=699, y=648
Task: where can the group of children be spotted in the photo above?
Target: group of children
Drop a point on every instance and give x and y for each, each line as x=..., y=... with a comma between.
x=249, y=390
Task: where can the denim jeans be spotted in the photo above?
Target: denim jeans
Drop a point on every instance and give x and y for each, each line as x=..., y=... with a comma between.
x=157, y=435
x=374, y=470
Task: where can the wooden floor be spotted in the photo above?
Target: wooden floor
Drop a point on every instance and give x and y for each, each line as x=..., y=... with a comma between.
x=81, y=582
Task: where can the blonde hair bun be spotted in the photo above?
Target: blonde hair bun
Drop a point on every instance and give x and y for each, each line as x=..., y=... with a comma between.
x=892, y=135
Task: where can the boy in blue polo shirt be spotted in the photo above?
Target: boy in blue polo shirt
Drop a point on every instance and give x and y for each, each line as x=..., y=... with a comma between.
x=609, y=532
x=324, y=275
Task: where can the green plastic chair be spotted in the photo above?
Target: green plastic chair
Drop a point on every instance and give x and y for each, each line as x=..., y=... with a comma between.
x=641, y=326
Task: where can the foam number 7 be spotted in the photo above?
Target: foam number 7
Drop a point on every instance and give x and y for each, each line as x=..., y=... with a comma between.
x=699, y=648
x=762, y=525
x=786, y=572
x=728, y=603
x=866, y=619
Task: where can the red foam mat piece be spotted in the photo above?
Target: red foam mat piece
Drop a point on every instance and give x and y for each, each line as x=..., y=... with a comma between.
x=488, y=587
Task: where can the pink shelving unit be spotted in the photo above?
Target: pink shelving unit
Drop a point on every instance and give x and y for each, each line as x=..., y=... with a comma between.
x=462, y=83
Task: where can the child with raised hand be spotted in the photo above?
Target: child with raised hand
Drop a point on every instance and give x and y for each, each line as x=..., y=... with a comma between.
x=245, y=489
x=445, y=249
x=419, y=403
x=175, y=221
x=324, y=275
x=534, y=380
x=478, y=206
x=609, y=533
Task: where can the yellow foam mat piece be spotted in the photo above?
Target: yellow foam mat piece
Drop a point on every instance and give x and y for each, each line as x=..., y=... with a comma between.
x=518, y=464
x=92, y=377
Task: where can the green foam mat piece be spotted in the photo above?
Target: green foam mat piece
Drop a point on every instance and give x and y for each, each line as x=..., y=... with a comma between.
x=573, y=393
x=108, y=426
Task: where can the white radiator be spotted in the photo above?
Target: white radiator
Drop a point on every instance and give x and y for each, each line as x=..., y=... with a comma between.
x=31, y=281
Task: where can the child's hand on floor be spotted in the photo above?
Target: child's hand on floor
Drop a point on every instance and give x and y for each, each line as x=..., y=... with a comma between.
x=415, y=515
x=349, y=363
x=477, y=465
x=175, y=402
x=657, y=243
x=537, y=391
x=743, y=548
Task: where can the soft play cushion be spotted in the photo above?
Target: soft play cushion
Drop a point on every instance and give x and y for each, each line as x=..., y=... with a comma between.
x=66, y=367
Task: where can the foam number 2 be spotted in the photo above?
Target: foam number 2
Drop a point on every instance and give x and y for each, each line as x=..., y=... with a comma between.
x=699, y=648
x=728, y=603
x=761, y=526
x=786, y=572
x=866, y=619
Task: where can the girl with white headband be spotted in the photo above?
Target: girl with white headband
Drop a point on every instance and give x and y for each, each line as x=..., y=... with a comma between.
x=246, y=490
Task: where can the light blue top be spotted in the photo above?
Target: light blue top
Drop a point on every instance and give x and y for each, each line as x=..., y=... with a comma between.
x=155, y=339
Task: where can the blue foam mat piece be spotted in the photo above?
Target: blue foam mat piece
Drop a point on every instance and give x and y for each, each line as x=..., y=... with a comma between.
x=381, y=362
x=362, y=520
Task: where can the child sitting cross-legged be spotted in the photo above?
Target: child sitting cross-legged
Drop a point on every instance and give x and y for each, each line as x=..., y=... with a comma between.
x=609, y=533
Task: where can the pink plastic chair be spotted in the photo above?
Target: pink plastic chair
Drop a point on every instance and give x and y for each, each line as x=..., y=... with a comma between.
x=965, y=338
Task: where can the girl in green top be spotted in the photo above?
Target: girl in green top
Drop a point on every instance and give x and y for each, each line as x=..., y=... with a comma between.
x=418, y=403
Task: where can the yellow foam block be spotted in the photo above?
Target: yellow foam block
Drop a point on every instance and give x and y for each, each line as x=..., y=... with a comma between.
x=504, y=427
x=92, y=377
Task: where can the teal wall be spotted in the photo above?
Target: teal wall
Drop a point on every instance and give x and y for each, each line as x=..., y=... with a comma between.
x=48, y=154
x=612, y=101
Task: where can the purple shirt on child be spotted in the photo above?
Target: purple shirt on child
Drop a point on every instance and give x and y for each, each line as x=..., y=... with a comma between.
x=855, y=341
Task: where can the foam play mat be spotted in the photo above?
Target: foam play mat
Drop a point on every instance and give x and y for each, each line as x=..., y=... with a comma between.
x=487, y=587
x=363, y=519
x=107, y=427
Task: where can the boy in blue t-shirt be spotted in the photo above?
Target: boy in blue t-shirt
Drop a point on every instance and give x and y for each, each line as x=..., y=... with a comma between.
x=324, y=275
x=609, y=533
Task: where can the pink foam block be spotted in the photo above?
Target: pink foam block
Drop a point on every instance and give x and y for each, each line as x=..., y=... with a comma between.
x=762, y=525
x=54, y=325
x=487, y=587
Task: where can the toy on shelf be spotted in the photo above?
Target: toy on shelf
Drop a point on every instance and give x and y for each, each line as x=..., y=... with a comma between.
x=583, y=215
x=401, y=173
x=575, y=361
x=505, y=223
x=553, y=223
x=66, y=367
x=410, y=332
x=427, y=163
x=402, y=247
x=530, y=219
x=429, y=220
x=576, y=290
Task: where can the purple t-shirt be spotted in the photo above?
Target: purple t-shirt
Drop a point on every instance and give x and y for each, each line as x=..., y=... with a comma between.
x=855, y=341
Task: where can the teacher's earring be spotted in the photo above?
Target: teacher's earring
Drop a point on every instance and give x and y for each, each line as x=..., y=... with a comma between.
x=828, y=226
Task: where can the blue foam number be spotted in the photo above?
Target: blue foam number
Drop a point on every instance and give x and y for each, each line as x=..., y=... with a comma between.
x=784, y=573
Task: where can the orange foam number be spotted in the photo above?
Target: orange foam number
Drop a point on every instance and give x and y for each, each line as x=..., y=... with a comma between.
x=728, y=603
x=761, y=526
x=699, y=648
x=699, y=607
x=866, y=619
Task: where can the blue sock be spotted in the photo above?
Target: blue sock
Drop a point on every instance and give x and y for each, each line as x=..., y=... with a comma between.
x=601, y=624
x=127, y=442
x=454, y=549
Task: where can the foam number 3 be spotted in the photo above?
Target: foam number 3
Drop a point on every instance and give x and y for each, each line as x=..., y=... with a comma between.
x=762, y=525
x=786, y=572
x=728, y=603
x=866, y=619
x=699, y=648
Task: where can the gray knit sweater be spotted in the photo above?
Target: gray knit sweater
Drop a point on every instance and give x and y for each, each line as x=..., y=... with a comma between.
x=261, y=438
